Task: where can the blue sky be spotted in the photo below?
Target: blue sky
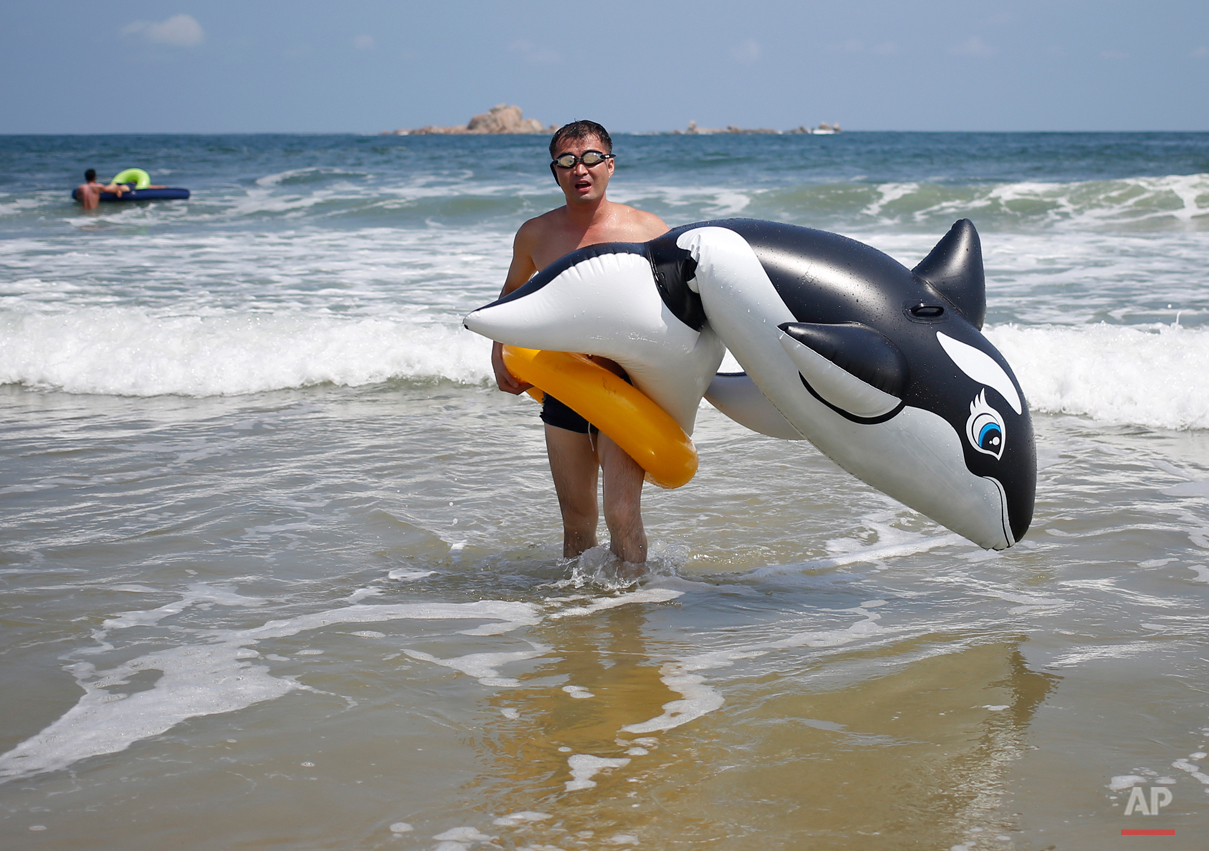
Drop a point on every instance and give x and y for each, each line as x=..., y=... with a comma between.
x=183, y=66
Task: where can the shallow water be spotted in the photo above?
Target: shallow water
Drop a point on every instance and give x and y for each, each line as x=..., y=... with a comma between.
x=280, y=569
x=218, y=639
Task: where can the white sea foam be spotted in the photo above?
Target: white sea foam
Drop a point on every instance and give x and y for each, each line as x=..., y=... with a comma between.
x=404, y=574
x=585, y=766
x=206, y=679
x=892, y=543
x=1125, y=781
x=1093, y=653
x=699, y=698
x=132, y=352
x=643, y=595
x=1078, y=205
x=888, y=193
x=704, y=202
x=463, y=835
x=198, y=594
x=1192, y=769
x=483, y=666
x=218, y=676
x=1154, y=375
x=194, y=681
x=523, y=817
x=218, y=311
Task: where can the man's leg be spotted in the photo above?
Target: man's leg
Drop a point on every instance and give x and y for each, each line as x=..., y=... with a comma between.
x=574, y=465
x=623, y=480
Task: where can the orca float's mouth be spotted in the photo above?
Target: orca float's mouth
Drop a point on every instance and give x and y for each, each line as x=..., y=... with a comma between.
x=1006, y=524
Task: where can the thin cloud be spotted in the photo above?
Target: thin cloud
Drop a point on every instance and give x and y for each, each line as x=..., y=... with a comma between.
x=364, y=42
x=852, y=45
x=855, y=45
x=1114, y=54
x=533, y=54
x=746, y=51
x=178, y=31
x=973, y=46
x=1201, y=52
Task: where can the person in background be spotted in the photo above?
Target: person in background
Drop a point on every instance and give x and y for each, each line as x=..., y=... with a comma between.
x=90, y=191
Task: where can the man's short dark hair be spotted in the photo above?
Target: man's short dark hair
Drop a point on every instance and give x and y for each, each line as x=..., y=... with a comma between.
x=90, y=175
x=580, y=130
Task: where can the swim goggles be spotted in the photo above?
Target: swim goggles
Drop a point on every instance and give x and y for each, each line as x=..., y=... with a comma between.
x=589, y=158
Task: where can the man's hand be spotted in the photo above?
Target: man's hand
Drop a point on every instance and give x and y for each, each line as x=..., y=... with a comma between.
x=503, y=378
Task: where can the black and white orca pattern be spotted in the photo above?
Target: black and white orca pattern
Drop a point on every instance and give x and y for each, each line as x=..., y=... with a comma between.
x=883, y=368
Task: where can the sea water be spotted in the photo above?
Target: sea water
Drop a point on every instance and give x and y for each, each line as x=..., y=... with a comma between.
x=280, y=568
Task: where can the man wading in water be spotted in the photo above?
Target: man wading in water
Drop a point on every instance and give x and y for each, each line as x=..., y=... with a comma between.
x=90, y=191
x=582, y=153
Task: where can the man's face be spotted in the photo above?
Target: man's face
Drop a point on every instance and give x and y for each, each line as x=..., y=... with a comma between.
x=581, y=183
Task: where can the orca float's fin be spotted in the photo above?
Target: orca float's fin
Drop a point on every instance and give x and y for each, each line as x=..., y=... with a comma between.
x=954, y=269
x=856, y=349
x=850, y=367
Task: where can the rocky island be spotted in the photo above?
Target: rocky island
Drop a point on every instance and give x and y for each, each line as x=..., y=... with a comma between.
x=823, y=129
x=501, y=118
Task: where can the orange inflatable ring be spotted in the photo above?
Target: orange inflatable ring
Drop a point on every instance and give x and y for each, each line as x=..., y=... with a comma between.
x=646, y=432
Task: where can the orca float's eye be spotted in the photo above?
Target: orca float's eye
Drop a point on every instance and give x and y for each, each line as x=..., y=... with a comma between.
x=984, y=428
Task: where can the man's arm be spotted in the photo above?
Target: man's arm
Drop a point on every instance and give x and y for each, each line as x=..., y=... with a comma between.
x=519, y=271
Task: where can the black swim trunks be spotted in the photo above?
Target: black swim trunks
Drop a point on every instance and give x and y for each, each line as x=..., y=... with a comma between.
x=557, y=414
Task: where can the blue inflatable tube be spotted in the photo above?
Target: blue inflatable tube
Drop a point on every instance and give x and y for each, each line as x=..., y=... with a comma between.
x=168, y=193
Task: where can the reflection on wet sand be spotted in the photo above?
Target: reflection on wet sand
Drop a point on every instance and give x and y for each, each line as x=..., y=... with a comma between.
x=599, y=678
x=909, y=754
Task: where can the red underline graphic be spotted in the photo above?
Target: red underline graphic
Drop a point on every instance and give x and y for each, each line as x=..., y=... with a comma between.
x=1168, y=832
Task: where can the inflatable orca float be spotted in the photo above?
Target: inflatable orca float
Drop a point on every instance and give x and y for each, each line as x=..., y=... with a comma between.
x=883, y=368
